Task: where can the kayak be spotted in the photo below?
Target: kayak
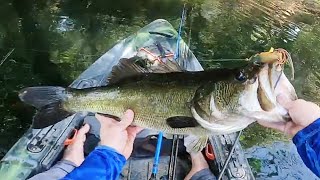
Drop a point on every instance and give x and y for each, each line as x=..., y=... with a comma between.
x=38, y=149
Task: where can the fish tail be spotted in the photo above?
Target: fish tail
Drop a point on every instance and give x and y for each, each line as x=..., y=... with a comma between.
x=48, y=101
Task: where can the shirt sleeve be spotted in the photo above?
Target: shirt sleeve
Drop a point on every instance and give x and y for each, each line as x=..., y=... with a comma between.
x=307, y=142
x=58, y=171
x=102, y=163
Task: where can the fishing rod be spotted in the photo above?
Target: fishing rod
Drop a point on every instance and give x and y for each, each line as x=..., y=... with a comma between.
x=6, y=56
x=183, y=16
x=160, y=136
x=173, y=157
x=156, y=157
x=190, y=28
x=229, y=156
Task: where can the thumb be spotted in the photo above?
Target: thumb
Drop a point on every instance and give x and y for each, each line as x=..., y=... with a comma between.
x=127, y=118
x=81, y=136
x=284, y=101
x=84, y=129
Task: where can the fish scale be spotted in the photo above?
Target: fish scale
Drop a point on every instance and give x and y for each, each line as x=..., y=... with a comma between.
x=142, y=99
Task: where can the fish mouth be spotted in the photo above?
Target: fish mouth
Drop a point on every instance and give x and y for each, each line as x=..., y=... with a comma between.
x=272, y=82
x=257, y=97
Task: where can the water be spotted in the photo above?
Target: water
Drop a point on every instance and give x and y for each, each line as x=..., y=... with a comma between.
x=277, y=161
x=52, y=42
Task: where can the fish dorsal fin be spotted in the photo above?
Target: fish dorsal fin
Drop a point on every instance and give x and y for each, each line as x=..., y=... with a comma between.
x=129, y=67
x=168, y=66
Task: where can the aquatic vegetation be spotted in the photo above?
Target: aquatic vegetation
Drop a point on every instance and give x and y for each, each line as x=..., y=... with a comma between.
x=255, y=165
x=253, y=135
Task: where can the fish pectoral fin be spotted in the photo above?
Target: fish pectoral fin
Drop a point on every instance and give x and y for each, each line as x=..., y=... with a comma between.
x=110, y=116
x=182, y=122
x=127, y=67
x=195, y=144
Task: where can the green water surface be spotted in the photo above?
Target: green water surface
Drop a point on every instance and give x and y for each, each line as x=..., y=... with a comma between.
x=53, y=41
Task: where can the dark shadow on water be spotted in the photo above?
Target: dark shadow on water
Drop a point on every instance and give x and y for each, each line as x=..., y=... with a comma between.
x=36, y=38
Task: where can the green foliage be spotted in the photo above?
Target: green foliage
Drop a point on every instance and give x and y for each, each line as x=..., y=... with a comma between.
x=255, y=165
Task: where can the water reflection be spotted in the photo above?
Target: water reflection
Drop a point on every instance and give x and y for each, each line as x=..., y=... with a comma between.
x=55, y=41
x=65, y=24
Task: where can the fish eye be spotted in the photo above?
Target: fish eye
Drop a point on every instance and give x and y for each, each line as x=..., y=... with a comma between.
x=241, y=76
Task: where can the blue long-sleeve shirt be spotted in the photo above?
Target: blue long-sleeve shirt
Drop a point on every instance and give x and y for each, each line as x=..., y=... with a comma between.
x=308, y=145
x=102, y=163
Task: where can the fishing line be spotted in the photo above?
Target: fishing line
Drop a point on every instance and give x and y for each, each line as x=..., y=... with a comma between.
x=278, y=79
x=43, y=51
x=220, y=60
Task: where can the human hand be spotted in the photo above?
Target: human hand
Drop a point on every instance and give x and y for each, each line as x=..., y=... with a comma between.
x=301, y=112
x=118, y=135
x=74, y=151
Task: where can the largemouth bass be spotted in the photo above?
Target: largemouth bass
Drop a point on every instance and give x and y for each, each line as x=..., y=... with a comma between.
x=198, y=103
